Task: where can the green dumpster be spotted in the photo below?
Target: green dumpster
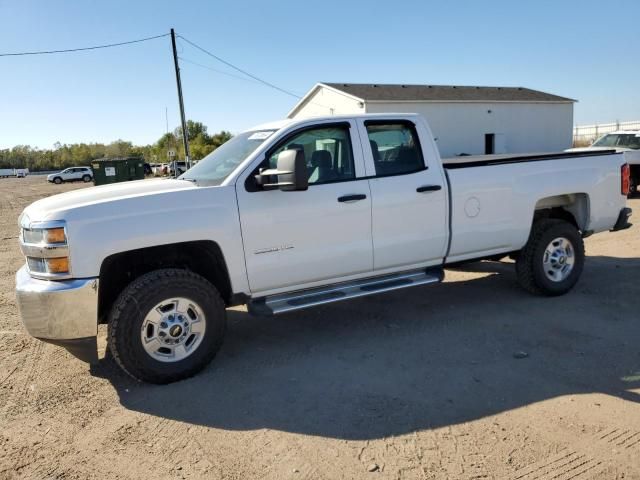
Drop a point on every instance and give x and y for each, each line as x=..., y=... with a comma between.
x=114, y=170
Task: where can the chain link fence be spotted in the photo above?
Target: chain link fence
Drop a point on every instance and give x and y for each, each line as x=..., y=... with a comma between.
x=584, y=135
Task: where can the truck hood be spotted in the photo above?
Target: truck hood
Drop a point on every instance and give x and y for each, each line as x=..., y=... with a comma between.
x=52, y=208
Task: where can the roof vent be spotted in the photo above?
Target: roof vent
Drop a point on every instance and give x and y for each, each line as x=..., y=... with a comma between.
x=374, y=85
x=430, y=86
x=454, y=87
x=403, y=86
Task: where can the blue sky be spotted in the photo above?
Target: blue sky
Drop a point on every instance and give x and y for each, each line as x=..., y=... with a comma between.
x=581, y=49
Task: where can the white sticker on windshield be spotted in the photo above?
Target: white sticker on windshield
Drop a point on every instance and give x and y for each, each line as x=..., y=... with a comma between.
x=261, y=135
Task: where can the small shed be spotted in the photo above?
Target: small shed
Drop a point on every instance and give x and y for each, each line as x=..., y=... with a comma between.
x=464, y=119
x=114, y=170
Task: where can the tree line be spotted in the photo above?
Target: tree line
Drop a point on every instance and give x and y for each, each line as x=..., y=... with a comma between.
x=201, y=143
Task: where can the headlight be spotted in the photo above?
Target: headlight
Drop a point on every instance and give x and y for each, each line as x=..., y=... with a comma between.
x=44, y=235
x=44, y=244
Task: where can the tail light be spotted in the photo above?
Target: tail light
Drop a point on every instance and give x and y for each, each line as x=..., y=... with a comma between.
x=625, y=174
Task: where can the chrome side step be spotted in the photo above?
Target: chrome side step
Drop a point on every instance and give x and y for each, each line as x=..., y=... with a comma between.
x=286, y=302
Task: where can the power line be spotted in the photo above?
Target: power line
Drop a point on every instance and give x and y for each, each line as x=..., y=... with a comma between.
x=146, y=39
x=217, y=71
x=109, y=45
x=252, y=77
x=258, y=79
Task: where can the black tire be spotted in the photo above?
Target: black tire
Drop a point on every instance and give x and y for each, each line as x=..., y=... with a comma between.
x=128, y=314
x=57, y=180
x=86, y=178
x=530, y=266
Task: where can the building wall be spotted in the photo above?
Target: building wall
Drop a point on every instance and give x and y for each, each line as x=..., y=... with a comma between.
x=328, y=102
x=461, y=127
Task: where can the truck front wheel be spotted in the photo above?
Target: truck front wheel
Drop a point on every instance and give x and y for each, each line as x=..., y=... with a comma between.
x=167, y=325
x=553, y=258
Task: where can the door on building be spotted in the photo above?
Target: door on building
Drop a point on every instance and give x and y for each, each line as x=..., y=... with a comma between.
x=489, y=143
x=495, y=143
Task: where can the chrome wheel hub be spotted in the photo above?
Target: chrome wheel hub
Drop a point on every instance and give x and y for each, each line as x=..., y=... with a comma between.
x=558, y=259
x=173, y=329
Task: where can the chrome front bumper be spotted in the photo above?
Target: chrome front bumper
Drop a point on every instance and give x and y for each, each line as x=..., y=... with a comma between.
x=61, y=312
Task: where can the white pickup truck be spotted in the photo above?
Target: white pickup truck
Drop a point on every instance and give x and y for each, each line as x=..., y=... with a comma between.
x=294, y=214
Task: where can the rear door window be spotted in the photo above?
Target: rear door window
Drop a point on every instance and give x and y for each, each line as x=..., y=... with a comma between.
x=395, y=148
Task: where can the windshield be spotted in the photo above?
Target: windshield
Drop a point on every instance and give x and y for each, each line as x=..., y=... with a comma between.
x=219, y=164
x=623, y=140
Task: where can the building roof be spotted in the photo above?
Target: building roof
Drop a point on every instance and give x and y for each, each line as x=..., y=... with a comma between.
x=443, y=93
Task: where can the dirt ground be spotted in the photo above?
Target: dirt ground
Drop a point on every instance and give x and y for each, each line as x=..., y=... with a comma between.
x=424, y=383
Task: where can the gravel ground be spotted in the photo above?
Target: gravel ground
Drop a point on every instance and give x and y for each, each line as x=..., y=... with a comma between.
x=425, y=383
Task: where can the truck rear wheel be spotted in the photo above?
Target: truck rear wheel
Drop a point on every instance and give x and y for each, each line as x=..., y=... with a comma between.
x=167, y=325
x=553, y=258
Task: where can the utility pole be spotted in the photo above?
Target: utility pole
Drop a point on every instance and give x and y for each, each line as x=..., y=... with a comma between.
x=185, y=133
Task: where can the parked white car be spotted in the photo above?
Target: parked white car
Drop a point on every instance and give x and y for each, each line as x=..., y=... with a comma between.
x=626, y=141
x=72, y=174
x=294, y=214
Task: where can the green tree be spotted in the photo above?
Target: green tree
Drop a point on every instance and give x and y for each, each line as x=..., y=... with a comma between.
x=81, y=154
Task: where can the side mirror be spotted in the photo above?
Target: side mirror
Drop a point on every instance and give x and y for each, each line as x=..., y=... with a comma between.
x=291, y=172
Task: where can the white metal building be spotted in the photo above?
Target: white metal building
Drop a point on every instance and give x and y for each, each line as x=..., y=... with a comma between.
x=464, y=120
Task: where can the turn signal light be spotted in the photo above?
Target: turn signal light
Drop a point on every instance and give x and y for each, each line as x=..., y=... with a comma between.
x=625, y=173
x=58, y=265
x=54, y=235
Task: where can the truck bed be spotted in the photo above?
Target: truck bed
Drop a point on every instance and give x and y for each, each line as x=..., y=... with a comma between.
x=492, y=208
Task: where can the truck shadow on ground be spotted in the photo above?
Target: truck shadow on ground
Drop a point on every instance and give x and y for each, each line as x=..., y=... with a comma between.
x=410, y=360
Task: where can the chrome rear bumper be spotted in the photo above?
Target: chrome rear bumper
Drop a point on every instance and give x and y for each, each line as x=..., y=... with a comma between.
x=61, y=312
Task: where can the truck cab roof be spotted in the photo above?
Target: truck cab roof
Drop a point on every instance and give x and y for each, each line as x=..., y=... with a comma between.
x=287, y=122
